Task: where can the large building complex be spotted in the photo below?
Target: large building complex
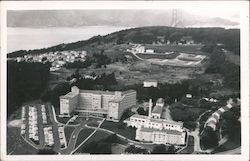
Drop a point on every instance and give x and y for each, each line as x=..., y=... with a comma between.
x=102, y=103
x=154, y=129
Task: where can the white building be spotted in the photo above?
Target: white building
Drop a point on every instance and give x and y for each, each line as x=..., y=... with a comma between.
x=139, y=49
x=150, y=51
x=160, y=136
x=101, y=103
x=152, y=128
x=140, y=121
x=150, y=83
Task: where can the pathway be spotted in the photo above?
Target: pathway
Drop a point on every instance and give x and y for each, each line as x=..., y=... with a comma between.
x=134, y=53
x=195, y=134
x=73, y=138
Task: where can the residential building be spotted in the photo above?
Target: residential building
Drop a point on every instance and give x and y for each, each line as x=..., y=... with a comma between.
x=150, y=83
x=187, y=40
x=215, y=117
x=160, y=39
x=101, y=103
x=150, y=51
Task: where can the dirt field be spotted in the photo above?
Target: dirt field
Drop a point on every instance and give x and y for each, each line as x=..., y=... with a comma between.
x=139, y=71
x=180, y=48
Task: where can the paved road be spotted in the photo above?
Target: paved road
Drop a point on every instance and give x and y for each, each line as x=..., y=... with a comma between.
x=57, y=144
x=135, y=55
x=195, y=134
x=40, y=126
x=73, y=138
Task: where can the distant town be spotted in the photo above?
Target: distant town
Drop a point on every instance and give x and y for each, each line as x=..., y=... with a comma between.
x=175, y=92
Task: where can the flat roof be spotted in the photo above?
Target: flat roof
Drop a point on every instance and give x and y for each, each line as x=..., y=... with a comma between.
x=128, y=91
x=164, y=130
x=97, y=92
x=106, y=92
x=69, y=95
x=150, y=80
x=157, y=120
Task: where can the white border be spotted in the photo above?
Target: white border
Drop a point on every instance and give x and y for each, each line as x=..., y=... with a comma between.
x=243, y=6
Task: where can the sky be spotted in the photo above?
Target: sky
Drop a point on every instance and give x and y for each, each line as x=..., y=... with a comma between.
x=75, y=18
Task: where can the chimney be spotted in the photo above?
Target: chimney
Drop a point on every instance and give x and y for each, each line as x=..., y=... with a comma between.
x=150, y=108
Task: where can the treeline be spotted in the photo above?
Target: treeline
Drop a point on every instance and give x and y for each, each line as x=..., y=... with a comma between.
x=25, y=82
x=229, y=71
x=100, y=83
x=229, y=37
x=98, y=60
x=168, y=91
x=79, y=64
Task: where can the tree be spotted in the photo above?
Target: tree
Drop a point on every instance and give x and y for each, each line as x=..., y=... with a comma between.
x=230, y=125
x=159, y=149
x=176, y=36
x=141, y=111
x=209, y=138
x=132, y=149
x=46, y=151
x=26, y=82
x=171, y=149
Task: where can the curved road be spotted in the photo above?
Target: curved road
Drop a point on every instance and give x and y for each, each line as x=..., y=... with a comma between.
x=73, y=138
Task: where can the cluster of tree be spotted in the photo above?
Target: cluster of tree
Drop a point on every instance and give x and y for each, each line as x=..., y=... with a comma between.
x=132, y=149
x=25, y=82
x=169, y=92
x=229, y=37
x=46, y=152
x=179, y=112
x=208, y=138
x=229, y=71
x=100, y=83
x=102, y=146
x=79, y=64
x=230, y=124
x=163, y=149
x=101, y=59
x=54, y=94
x=141, y=111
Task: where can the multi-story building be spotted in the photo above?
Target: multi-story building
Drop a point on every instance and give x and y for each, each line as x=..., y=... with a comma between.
x=140, y=121
x=102, y=103
x=152, y=128
x=160, y=136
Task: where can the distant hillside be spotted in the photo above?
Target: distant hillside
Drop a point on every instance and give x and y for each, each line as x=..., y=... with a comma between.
x=147, y=35
x=134, y=18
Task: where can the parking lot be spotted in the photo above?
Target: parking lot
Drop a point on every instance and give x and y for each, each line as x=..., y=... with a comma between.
x=40, y=129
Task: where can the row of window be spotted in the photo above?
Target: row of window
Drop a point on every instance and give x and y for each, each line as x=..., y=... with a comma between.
x=153, y=124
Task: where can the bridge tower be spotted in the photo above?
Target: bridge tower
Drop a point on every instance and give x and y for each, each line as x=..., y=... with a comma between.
x=176, y=18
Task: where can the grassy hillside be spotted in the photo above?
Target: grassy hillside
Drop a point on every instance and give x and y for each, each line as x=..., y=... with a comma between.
x=147, y=35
